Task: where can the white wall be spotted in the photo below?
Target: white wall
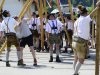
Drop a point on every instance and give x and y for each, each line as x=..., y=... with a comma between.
x=14, y=6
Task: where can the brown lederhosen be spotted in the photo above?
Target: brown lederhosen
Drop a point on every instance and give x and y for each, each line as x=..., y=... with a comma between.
x=11, y=40
x=11, y=37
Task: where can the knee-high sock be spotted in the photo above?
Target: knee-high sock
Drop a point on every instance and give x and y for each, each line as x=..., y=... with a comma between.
x=78, y=66
x=20, y=54
x=33, y=54
x=7, y=56
x=74, y=64
x=57, y=51
x=51, y=52
x=37, y=43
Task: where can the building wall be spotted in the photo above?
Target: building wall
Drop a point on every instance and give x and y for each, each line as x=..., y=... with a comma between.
x=14, y=6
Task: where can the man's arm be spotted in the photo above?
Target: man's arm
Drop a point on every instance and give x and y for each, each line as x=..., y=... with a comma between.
x=93, y=13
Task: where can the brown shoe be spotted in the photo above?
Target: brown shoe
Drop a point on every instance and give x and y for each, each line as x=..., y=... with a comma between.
x=35, y=62
x=20, y=63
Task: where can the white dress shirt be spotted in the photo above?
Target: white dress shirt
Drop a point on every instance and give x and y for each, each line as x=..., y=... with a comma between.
x=11, y=22
x=57, y=23
x=35, y=21
x=82, y=27
x=70, y=25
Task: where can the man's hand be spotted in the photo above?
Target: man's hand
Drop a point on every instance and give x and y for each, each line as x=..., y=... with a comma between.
x=98, y=4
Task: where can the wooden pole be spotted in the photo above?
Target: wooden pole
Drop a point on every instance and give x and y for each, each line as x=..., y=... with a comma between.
x=45, y=10
x=2, y=3
x=93, y=28
x=41, y=18
x=22, y=13
x=71, y=11
x=58, y=6
x=24, y=7
x=37, y=4
x=97, y=43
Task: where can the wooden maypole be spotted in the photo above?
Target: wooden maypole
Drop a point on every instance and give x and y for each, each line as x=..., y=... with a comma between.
x=41, y=18
x=97, y=43
x=45, y=10
x=2, y=3
x=93, y=29
x=71, y=11
x=22, y=13
x=1, y=6
x=58, y=6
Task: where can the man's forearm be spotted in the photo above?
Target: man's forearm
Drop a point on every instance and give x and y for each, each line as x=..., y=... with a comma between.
x=93, y=13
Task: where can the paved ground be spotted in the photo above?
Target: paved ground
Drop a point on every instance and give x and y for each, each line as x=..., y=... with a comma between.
x=44, y=67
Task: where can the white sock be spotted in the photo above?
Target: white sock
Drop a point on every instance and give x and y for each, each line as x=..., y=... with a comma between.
x=78, y=66
x=74, y=64
x=33, y=54
x=20, y=55
x=7, y=56
x=57, y=51
x=51, y=52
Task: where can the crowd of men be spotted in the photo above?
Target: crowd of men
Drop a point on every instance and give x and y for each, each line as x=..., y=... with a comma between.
x=28, y=32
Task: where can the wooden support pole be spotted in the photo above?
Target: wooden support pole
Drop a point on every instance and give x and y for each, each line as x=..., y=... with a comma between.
x=2, y=3
x=58, y=6
x=97, y=43
x=37, y=4
x=41, y=18
x=45, y=10
x=71, y=11
x=22, y=13
x=24, y=7
x=93, y=29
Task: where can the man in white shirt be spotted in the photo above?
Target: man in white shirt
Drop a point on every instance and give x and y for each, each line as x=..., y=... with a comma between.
x=34, y=25
x=53, y=29
x=7, y=27
x=81, y=36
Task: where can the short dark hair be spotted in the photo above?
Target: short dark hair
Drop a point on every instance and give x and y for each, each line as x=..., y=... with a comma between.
x=5, y=13
x=82, y=9
x=33, y=14
x=51, y=14
x=69, y=17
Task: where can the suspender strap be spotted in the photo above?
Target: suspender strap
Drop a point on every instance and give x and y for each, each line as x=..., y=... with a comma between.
x=8, y=30
x=51, y=27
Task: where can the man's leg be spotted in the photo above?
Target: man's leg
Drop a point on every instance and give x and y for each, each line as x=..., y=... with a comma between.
x=20, y=56
x=34, y=55
x=75, y=62
x=57, y=53
x=78, y=66
x=51, y=53
x=7, y=57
